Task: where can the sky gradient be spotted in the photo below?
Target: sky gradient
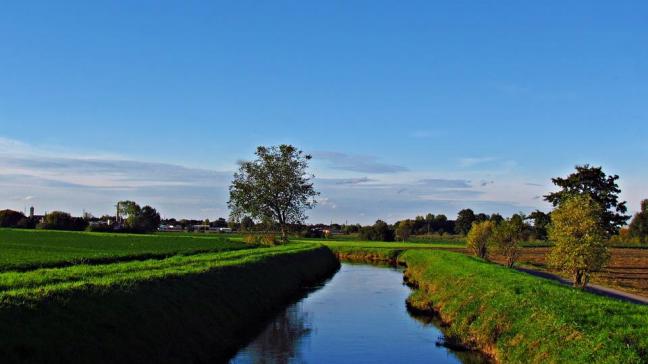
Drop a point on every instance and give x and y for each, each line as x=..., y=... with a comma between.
x=407, y=108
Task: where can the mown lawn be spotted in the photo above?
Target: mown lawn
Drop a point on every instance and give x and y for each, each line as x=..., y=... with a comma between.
x=30, y=249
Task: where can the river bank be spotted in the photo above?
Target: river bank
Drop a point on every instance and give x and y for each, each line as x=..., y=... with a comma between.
x=183, y=309
x=515, y=317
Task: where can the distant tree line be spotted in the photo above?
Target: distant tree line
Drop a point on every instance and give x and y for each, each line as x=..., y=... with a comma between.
x=130, y=218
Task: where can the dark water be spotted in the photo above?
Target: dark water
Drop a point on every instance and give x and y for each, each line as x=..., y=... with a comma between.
x=359, y=316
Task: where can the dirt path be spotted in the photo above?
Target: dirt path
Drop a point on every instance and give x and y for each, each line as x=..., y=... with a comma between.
x=593, y=288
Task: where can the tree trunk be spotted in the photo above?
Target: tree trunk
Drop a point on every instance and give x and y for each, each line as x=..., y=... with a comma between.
x=283, y=233
x=578, y=278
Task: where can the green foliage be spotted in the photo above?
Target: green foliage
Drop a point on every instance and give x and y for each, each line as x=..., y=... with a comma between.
x=10, y=218
x=261, y=239
x=275, y=186
x=507, y=237
x=247, y=224
x=464, y=221
x=478, y=238
x=541, y=222
x=639, y=224
x=380, y=231
x=602, y=189
x=28, y=249
x=58, y=220
x=578, y=237
x=404, y=230
x=524, y=319
x=198, y=308
x=138, y=219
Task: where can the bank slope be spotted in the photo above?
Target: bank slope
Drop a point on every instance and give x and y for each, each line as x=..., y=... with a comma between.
x=524, y=319
x=182, y=309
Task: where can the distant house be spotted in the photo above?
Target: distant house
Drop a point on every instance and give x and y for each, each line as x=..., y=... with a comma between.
x=170, y=228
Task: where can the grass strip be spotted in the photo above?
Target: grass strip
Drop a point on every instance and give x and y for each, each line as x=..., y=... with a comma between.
x=519, y=318
x=183, y=309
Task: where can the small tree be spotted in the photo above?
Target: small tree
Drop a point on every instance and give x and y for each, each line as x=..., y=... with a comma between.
x=275, y=186
x=478, y=238
x=639, y=224
x=404, y=230
x=579, y=238
x=506, y=238
x=464, y=221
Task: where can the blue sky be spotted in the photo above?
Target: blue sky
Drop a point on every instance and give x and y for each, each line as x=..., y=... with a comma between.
x=408, y=108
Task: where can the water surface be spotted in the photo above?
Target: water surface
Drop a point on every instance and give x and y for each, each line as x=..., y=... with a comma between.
x=359, y=316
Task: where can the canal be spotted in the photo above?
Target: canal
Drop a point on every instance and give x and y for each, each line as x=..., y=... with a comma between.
x=358, y=316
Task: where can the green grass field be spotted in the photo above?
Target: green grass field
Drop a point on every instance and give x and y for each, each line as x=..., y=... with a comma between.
x=30, y=249
x=524, y=319
x=185, y=308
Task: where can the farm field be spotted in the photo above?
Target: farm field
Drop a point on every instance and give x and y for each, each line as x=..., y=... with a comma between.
x=30, y=249
x=627, y=269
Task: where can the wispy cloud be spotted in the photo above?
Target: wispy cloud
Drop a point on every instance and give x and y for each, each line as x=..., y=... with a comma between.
x=473, y=161
x=357, y=163
x=345, y=181
x=51, y=179
x=445, y=183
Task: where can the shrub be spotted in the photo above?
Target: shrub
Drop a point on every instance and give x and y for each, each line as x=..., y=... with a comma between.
x=478, y=238
x=506, y=238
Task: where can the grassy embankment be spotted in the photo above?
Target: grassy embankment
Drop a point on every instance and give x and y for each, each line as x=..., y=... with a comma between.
x=515, y=317
x=184, y=308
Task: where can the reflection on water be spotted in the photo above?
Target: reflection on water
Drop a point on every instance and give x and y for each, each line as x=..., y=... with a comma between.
x=357, y=317
x=279, y=341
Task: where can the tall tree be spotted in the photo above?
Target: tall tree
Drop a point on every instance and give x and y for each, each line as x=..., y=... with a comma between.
x=639, y=223
x=464, y=221
x=275, y=186
x=602, y=189
x=541, y=221
x=429, y=220
x=579, y=239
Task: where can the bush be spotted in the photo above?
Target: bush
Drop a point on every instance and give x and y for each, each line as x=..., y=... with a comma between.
x=478, y=238
x=10, y=218
x=58, y=220
x=265, y=239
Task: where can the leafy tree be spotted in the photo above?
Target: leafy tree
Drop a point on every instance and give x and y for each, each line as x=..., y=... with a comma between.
x=128, y=211
x=541, y=222
x=440, y=224
x=274, y=186
x=429, y=221
x=496, y=218
x=578, y=237
x=481, y=217
x=464, y=221
x=479, y=237
x=602, y=189
x=380, y=231
x=59, y=220
x=247, y=223
x=10, y=218
x=140, y=219
x=404, y=230
x=146, y=221
x=506, y=238
x=639, y=224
